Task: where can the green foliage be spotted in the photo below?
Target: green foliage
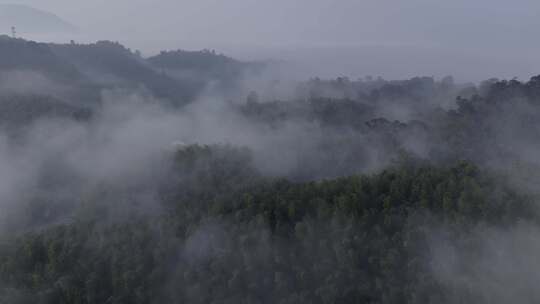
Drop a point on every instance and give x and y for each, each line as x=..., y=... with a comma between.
x=232, y=236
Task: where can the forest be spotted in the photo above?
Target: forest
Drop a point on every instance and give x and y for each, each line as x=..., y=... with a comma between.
x=193, y=177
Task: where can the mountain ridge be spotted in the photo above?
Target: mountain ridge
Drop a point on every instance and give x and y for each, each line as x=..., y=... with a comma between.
x=30, y=20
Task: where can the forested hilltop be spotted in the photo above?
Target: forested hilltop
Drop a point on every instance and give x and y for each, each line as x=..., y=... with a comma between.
x=193, y=177
x=90, y=68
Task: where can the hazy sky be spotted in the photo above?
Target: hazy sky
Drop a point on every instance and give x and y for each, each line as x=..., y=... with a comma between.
x=505, y=29
x=303, y=21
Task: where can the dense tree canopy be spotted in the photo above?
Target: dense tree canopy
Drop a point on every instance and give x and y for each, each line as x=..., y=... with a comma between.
x=231, y=236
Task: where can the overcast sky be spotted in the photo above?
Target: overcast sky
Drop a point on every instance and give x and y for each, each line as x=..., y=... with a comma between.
x=504, y=30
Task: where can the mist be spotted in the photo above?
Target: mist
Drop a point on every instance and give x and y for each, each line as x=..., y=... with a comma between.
x=285, y=152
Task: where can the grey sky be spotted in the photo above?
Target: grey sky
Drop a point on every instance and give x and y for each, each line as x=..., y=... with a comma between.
x=505, y=29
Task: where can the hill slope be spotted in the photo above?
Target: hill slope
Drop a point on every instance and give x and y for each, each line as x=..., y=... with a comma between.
x=31, y=20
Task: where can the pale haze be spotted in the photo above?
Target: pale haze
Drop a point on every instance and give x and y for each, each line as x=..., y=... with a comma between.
x=261, y=152
x=471, y=40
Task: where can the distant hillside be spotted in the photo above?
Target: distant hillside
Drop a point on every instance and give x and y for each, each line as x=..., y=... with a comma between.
x=30, y=20
x=203, y=64
x=117, y=65
x=19, y=54
x=18, y=110
x=192, y=60
x=86, y=69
